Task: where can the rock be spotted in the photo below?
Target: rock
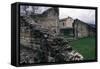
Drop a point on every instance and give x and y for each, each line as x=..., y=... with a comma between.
x=41, y=46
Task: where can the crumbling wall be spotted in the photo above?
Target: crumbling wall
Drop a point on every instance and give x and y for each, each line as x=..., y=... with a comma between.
x=40, y=46
x=40, y=42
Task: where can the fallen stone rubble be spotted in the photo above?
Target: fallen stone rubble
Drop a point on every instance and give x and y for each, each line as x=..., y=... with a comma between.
x=47, y=49
x=44, y=47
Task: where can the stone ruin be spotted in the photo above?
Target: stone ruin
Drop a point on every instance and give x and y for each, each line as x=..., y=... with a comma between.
x=44, y=47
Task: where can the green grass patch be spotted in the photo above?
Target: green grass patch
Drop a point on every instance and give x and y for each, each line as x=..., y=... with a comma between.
x=85, y=46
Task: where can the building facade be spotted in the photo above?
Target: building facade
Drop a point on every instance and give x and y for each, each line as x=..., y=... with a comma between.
x=49, y=20
x=82, y=29
x=66, y=22
x=46, y=22
x=66, y=26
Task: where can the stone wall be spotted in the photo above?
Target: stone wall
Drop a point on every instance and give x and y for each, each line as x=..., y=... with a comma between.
x=49, y=20
x=39, y=41
x=82, y=29
x=66, y=22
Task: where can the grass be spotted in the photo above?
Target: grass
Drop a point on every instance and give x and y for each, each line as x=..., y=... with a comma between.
x=85, y=46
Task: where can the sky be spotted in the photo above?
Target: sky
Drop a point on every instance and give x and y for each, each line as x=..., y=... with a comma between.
x=85, y=15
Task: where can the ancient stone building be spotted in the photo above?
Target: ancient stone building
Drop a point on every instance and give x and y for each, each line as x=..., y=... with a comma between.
x=82, y=29
x=46, y=21
x=49, y=20
x=66, y=22
x=66, y=26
